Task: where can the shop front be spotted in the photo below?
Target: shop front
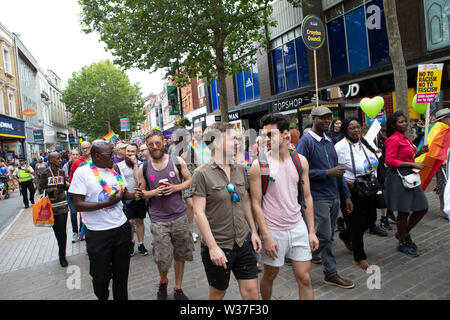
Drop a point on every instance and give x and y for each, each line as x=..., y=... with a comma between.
x=12, y=137
x=62, y=142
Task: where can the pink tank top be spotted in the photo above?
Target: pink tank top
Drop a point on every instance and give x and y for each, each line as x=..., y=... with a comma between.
x=280, y=203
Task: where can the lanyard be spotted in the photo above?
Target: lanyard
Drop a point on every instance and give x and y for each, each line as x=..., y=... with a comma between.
x=56, y=181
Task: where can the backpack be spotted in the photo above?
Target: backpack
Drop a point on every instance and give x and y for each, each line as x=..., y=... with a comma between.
x=265, y=176
x=145, y=168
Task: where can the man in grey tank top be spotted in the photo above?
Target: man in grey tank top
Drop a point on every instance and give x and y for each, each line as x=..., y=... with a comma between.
x=172, y=239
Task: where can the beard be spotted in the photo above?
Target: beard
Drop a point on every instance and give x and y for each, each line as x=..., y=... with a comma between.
x=128, y=162
x=157, y=154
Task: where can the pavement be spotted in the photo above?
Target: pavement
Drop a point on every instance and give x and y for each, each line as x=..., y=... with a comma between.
x=30, y=269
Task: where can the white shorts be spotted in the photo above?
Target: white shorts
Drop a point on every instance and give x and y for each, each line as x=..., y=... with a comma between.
x=293, y=243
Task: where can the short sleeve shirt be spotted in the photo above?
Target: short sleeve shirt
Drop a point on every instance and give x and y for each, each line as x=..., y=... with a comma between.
x=225, y=217
x=85, y=183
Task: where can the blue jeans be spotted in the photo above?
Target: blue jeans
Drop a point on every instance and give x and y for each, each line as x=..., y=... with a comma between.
x=73, y=214
x=326, y=213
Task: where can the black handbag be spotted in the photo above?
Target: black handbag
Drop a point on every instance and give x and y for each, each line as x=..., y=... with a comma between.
x=366, y=185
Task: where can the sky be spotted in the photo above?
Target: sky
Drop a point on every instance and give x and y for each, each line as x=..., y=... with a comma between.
x=51, y=31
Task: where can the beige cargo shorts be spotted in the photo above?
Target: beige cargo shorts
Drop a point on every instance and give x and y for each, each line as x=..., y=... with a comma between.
x=171, y=241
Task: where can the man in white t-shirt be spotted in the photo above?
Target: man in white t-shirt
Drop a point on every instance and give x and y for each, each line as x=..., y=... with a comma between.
x=107, y=228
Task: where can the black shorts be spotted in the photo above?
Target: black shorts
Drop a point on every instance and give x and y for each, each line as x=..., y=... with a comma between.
x=136, y=209
x=242, y=261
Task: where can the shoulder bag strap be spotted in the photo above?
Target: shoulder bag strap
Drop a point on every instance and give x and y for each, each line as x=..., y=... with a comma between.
x=353, y=159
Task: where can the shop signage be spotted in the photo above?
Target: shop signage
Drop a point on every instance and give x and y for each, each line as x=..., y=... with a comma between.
x=61, y=136
x=290, y=103
x=29, y=112
x=38, y=135
x=11, y=128
x=232, y=116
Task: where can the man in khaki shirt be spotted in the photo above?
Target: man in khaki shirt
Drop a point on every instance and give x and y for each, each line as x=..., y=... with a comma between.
x=223, y=213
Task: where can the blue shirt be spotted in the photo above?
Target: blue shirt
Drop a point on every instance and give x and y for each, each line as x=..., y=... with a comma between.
x=321, y=156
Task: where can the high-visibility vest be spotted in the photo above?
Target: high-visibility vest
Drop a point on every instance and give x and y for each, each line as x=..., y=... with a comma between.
x=23, y=175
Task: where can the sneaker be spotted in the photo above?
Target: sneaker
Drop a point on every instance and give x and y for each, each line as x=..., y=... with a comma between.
x=405, y=248
x=408, y=240
x=74, y=237
x=63, y=262
x=132, y=249
x=384, y=223
x=340, y=224
x=444, y=215
x=336, y=280
x=179, y=295
x=80, y=237
x=194, y=237
x=391, y=217
x=378, y=231
x=162, y=291
x=141, y=249
x=27, y=206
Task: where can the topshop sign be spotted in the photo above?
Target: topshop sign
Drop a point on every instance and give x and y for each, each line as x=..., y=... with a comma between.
x=290, y=103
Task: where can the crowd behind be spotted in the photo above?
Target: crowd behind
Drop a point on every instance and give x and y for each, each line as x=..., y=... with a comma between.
x=250, y=221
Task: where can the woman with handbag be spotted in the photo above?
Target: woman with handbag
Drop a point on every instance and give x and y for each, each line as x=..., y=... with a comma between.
x=402, y=185
x=360, y=164
x=53, y=182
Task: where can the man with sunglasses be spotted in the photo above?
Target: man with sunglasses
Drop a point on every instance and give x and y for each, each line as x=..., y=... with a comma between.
x=98, y=191
x=278, y=212
x=223, y=214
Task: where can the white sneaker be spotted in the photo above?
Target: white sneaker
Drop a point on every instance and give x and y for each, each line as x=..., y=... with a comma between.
x=74, y=237
x=194, y=237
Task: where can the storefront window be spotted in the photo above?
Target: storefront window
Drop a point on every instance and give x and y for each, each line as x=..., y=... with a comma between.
x=357, y=37
x=278, y=70
x=215, y=95
x=290, y=63
x=437, y=23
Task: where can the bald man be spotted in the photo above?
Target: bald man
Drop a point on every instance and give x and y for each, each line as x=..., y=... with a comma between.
x=108, y=233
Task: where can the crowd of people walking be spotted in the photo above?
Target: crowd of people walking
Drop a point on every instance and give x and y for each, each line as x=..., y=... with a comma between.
x=278, y=200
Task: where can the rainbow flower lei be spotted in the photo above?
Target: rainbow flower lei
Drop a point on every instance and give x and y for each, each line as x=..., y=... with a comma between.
x=106, y=187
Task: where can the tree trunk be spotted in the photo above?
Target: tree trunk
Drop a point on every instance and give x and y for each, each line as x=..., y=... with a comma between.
x=397, y=58
x=221, y=78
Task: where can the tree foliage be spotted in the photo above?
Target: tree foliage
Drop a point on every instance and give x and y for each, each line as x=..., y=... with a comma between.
x=206, y=38
x=98, y=96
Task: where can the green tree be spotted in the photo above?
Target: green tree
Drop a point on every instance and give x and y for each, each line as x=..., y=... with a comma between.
x=206, y=38
x=397, y=58
x=98, y=96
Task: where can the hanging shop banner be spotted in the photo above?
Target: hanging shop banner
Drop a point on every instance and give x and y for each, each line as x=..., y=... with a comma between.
x=11, y=128
x=429, y=78
x=124, y=124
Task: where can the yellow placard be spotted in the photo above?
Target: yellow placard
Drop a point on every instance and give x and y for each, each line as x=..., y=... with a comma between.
x=429, y=77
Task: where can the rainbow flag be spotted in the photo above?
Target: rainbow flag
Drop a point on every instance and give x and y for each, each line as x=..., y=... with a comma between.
x=438, y=144
x=193, y=145
x=111, y=136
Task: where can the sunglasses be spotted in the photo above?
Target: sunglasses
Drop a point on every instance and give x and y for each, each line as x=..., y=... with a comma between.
x=232, y=189
x=109, y=153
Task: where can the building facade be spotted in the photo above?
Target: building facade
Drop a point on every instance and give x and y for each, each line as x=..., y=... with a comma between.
x=57, y=138
x=31, y=99
x=353, y=63
x=12, y=125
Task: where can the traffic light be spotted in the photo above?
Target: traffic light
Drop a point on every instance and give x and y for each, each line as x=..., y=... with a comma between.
x=172, y=96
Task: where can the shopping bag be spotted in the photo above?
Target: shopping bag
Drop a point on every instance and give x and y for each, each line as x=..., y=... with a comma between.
x=43, y=213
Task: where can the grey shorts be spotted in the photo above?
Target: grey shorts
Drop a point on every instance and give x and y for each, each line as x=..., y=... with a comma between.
x=171, y=240
x=292, y=243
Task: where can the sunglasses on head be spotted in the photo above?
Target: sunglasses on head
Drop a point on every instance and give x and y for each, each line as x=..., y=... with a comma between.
x=109, y=153
x=232, y=189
